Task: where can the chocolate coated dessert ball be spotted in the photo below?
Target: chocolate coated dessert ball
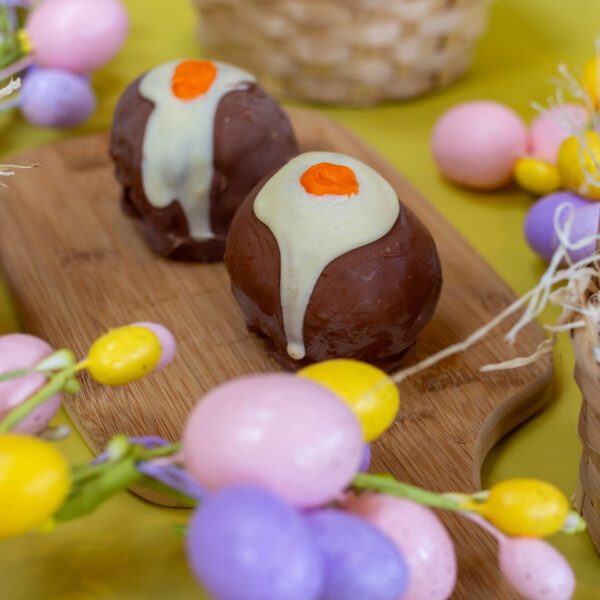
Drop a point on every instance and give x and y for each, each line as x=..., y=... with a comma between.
x=189, y=140
x=326, y=262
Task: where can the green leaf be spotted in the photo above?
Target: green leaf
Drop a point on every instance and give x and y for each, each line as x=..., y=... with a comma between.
x=91, y=493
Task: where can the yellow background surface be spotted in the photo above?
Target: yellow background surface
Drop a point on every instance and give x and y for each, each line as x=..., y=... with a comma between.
x=129, y=549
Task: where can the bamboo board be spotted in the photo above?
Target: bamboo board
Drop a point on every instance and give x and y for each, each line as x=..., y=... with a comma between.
x=77, y=266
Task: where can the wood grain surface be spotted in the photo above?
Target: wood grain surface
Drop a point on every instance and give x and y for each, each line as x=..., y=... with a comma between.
x=77, y=266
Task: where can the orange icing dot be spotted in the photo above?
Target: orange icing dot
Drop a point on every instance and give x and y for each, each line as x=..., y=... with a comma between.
x=193, y=78
x=326, y=178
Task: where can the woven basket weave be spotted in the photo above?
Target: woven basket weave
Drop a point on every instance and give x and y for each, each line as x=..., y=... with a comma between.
x=587, y=374
x=345, y=51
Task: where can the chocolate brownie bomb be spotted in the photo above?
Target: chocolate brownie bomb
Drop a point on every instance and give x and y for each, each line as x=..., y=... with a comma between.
x=326, y=262
x=189, y=140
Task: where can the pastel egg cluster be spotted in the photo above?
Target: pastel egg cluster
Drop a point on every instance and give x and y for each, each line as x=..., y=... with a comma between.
x=485, y=145
x=275, y=460
x=67, y=40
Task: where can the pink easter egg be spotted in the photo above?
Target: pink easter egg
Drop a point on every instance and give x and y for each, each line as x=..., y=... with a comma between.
x=475, y=144
x=546, y=133
x=77, y=35
x=283, y=432
x=167, y=343
x=536, y=569
x=21, y=351
x=421, y=538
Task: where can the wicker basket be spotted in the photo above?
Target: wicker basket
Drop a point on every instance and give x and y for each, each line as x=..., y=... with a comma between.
x=356, y=52
x=587, y=374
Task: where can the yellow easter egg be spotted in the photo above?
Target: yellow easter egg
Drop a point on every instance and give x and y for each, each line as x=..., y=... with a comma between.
x=367, y=390
x=590, y=80
x=537, y=176
x=526, y=507
x=34, y=481
x=575, y=160
x=123, y=355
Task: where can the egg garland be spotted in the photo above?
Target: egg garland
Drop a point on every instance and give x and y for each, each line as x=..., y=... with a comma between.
x=61, y=43
x=290, y=516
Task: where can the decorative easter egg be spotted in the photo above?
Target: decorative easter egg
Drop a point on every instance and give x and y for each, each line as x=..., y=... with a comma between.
x=591, y=81
x=22, y=351
x=168, y=346
x=536, y=569
x=360, y=561
x=475, y=144
x=526, y=507
x=577, y=160
x=34, y=480
x=368, y=391
x=245, y=543
x=124, y=354
x=421, y=538
x=549, y=130
x=77, y=35
x=539, y=224
x=277, y=430
x=55, y=98
x=365, y=462
x=537, y=176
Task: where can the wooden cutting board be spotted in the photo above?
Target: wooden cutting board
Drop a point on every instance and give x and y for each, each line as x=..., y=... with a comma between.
x=77, y=266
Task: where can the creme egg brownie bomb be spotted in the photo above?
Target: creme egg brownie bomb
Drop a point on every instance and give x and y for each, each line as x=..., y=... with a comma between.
x=189, y=140
x=325, y=262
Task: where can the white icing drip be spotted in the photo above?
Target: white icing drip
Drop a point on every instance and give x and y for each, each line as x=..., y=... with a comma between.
x=312, y=231
x=177, y=162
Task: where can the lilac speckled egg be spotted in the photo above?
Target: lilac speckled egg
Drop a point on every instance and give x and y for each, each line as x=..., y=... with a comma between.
x=53, y=98
x=284, y=432
x=476, y=144
x=365, y=462
x=21, y=351
x=77, y=35
x=547, y=133
x=536, y=569
x=539, y=224
x=421, y=538
x=245, y=543
x=168, y=345
x=361, y=563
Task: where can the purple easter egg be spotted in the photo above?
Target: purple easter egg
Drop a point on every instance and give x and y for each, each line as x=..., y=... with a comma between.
x=77, y=35
x=365, y=461
x=539, y=224
x=245, y=543
x=22, y=351
x=360, y=561
x=53, y=98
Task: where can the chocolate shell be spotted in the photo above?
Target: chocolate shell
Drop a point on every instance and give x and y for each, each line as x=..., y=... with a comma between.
x=252, y=137
x=369, y=304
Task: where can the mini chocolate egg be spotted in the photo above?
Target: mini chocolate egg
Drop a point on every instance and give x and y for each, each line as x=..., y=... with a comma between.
x=475, y=144
x=539, y=224
x=547, y=132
